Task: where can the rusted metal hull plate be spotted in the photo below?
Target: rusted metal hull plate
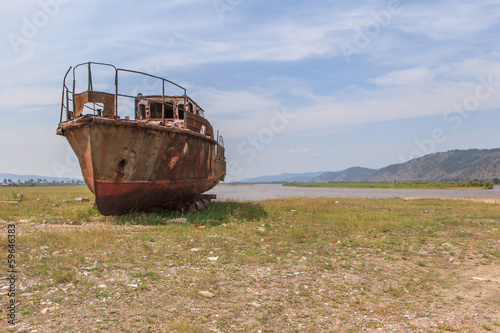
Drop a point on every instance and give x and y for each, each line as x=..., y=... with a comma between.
x=135, y=166
x=115, y=198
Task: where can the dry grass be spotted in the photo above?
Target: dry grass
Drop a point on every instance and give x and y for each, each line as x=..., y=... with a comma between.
x=305, y=265
x=54, y=204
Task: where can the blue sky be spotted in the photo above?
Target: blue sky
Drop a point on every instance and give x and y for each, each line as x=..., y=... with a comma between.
x=293, y=86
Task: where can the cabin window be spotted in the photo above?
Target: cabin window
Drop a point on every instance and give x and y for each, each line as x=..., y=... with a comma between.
x=169, y=111
x=142, y=111
x=93, y=108
x=191, y=109
x=180, y=111
x=155, y=110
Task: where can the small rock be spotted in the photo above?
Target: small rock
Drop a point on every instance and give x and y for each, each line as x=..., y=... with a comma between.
x=206, y=294
x=257, y=305
x=213, y=258
x=47, y=310
x=180, y=220
x=133, y=285
x=102, y=286
x=82, y=199
x=422, y=319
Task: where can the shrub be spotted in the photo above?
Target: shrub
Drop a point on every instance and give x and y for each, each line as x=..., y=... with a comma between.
x=488, y=185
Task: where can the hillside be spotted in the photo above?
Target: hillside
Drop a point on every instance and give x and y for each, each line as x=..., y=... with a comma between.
x=305, y=177
x=355, y=174
x=455, y=165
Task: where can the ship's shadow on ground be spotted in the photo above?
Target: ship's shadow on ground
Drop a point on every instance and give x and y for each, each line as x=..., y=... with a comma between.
x=214, y=214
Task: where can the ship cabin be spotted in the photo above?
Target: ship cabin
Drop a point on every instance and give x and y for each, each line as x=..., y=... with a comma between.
x=172, y=111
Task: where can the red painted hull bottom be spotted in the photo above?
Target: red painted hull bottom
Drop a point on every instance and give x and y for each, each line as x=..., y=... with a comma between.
x=115, y=198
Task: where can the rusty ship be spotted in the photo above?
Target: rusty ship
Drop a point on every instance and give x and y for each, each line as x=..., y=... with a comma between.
x=138, y=151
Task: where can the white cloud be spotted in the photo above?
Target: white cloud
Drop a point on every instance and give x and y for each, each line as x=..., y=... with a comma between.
x=448, y=19
x=405, y=77
x=241, y=103
x=399, y=94
x=239, y=113
x=34, y=96
x=471, y=68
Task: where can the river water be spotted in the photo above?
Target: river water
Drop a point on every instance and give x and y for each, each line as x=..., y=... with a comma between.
x=273, y=191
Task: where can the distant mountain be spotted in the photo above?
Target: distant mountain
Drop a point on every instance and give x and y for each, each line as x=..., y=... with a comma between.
x=455, y=165
x=24, y=178
x=306, y=177
x=355, y=174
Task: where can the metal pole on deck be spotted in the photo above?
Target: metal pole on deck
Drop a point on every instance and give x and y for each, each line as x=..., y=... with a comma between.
x=74, y=86
x=185, y=109
x=163, y=102
x=116, y=92
x=90, y=78
x=64, y=90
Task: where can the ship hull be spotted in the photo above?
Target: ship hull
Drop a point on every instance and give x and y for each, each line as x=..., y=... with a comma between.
x=131, y=165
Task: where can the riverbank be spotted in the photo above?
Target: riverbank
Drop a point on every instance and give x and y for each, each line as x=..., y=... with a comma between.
x=274, y=191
